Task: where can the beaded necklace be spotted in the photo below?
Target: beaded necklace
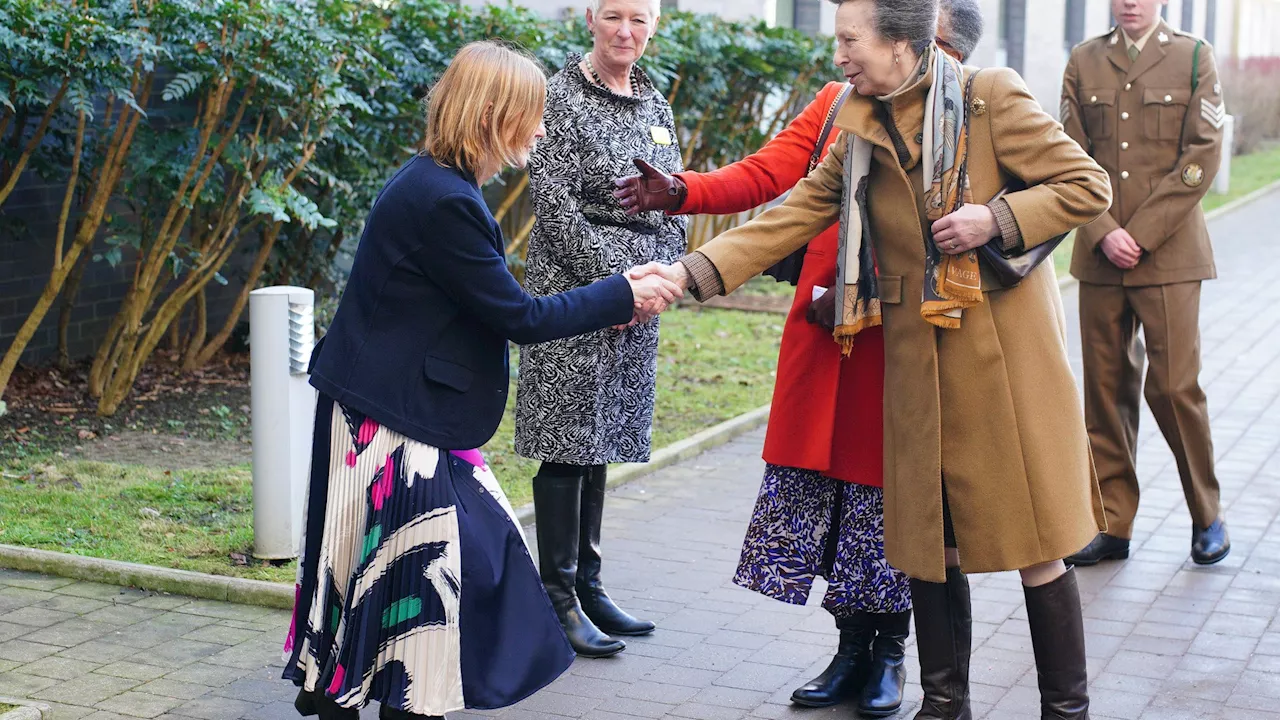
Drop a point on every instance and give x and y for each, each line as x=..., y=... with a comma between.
x=595, y=77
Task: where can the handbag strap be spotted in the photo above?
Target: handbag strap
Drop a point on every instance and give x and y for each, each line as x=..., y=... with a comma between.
x=827, y=126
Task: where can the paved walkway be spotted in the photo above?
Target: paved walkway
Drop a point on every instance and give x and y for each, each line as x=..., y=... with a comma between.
x=1167, y=640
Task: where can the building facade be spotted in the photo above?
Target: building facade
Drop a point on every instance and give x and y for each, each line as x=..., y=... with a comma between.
x=1033, y=37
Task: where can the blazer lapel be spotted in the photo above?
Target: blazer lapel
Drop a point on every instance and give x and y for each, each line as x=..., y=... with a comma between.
x=1152, y=53
x=1117, y=52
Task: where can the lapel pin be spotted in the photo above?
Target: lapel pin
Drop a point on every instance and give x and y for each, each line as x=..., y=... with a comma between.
x=1164, y=39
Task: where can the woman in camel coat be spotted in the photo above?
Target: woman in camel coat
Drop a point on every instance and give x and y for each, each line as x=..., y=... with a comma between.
x=984, y=435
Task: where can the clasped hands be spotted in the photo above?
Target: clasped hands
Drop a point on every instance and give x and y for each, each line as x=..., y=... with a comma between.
x=654, y=287
x=1121, y=249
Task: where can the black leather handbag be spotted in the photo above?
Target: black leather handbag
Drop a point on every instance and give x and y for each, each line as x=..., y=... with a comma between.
x=788, y=268
x=1010, y=267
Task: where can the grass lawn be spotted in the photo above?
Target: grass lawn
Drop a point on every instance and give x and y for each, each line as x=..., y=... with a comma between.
x=713, y=365
x=1248, y=173
x=198, y=520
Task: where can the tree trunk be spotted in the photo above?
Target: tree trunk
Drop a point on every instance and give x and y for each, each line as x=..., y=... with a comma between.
x=69, y=294
x=199, y=331
x=206, y=354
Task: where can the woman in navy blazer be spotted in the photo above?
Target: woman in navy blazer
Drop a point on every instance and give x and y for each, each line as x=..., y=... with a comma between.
x=416, y=588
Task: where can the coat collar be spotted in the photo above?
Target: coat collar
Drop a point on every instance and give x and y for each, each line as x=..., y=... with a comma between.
x=864, y=116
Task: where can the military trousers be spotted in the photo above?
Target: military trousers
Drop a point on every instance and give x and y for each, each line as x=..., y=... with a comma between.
x=1169, y=316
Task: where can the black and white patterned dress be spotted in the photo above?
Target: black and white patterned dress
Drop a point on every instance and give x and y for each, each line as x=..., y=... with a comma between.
x=589, y=400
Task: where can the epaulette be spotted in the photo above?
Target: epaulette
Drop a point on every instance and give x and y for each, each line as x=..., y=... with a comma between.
x=1103, y=38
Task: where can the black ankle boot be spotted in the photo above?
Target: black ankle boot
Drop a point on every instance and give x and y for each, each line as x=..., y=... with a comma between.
x=944, y=638
x=386, y=713
x=1057, y=639
x=556, y=504
x=847, y=673
x=596, y=603
x=317, y=704
x=882, y=695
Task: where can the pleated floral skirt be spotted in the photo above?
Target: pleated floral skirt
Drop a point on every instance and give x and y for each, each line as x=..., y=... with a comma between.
x=415, y=584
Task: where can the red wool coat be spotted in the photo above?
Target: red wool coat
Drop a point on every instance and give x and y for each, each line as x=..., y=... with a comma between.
x=827, y=409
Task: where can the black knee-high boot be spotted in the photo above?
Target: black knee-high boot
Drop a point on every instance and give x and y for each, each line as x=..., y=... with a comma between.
x=1057, y=639
x=596, y=603
x=944, y=638
x=847, y=673
x=882, y=695
x=557, y=502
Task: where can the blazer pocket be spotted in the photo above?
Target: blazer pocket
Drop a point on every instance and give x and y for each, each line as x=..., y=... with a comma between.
x=1099, y=110
x=890, y=289
x=449, y=374
x=1163, y=110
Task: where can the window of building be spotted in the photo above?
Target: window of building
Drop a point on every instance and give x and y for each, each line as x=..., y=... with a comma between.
x=1012, y=32
x=1188, y=15
x=1210, y=20
x=1074, y=25
x=808, y=15
x=784, y=13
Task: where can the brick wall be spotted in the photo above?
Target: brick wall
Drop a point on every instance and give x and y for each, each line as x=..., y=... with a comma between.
x=27, y=228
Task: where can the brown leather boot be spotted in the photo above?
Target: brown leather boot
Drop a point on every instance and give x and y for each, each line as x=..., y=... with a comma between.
x=1057, y=639
x=944, y=639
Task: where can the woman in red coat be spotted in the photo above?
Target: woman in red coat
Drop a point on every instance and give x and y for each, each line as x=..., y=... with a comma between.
x=820, y=509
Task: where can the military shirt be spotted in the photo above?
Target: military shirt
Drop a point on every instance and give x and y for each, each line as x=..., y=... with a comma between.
x=1155, y=125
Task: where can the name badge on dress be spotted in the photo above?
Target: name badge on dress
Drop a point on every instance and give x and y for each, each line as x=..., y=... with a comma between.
x=661, y=135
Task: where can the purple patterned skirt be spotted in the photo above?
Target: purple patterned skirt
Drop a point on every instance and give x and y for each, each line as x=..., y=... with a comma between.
x=805, y=525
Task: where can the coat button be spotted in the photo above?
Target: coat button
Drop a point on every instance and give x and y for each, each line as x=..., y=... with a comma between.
x=1124, y=146
x=1124, y=116
x=1128, y=86
x=1124, y=175
x=919, y=138
x=1093, y=98
x=1168, y=98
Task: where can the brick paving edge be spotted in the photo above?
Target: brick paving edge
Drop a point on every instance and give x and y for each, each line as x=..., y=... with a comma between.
x=148, y=577
x=26, y=710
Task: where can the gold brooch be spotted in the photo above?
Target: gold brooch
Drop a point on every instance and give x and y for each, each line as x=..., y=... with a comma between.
x=1192, y=175
x=978, y=106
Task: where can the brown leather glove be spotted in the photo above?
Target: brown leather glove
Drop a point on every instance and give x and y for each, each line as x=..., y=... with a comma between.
x=823, y=310
x=652, y=189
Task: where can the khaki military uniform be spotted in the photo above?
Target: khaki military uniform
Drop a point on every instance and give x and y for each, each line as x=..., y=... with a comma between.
x=1159, y=138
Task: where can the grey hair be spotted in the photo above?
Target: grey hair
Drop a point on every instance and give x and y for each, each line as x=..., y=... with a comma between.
x=963, y=20
x=655, y=7
x=913, y=21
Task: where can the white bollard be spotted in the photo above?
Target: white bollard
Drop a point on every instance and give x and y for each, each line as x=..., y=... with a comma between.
x=281, y=336
x=1222, y=181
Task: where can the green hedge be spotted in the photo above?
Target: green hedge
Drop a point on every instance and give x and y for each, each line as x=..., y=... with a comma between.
x=207, y=128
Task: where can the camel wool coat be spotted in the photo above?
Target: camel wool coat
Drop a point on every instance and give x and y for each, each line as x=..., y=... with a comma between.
x=990, y=410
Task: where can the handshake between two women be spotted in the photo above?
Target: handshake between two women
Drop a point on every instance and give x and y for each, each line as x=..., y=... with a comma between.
x=654, y=288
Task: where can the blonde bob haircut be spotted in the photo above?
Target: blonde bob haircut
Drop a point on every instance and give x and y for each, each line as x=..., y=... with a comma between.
x=485, y=107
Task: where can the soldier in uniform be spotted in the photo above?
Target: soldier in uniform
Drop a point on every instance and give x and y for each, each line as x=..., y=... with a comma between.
x=1145, y=102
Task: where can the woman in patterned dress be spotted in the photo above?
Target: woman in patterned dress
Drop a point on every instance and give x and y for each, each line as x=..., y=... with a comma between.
x=588, y=401
x=416, y=588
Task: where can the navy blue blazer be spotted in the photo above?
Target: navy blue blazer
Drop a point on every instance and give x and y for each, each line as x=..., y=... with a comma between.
x=419, y=342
